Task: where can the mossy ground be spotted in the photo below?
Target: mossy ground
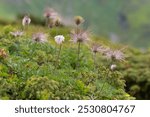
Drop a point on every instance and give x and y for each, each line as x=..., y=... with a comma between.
x=30, y=69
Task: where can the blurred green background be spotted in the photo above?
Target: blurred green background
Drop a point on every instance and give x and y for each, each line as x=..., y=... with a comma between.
x=125, y=21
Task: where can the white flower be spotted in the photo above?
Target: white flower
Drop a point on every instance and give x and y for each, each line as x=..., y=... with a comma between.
x=40, y=37
x=26, y=20
x=113, y=67
x=59, y=39
x=17, y=33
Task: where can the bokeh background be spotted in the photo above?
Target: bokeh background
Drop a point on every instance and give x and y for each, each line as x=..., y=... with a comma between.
x=123, y=21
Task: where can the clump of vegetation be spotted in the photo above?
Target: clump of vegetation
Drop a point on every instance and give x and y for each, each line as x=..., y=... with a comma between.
x=32, y=67
x=28, y=69
x=137, y=74
x=3, y=53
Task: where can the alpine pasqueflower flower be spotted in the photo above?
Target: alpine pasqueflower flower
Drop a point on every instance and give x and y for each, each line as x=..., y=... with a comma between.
x=50, y=13
x=39, y=37
x=59, y=39
x=115, y=55
x=17, y=33
x=26, y=20
x=81, y=36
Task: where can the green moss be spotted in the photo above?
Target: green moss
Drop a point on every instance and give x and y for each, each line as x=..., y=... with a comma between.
x=29, y=71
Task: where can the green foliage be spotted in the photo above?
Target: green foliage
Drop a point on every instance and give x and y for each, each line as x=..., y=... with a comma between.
x=40, y=88
x=29, y=71
x=137, y=74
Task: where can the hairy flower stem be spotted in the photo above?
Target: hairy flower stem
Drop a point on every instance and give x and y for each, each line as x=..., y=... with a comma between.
x=57, y=30
x=77, y=29
x=79, y=47
x=25, y=28
x=57, y=60
x=46, y=22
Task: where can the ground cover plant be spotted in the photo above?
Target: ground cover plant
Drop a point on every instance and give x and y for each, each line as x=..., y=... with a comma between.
x=52, y=61
x=137, y=73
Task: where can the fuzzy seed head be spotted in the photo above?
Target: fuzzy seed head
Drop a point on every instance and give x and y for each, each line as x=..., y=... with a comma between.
x=79, y=37
x=17, y=33
x=103, y=50
x=115, y=55
x=50, y=13
x=95, y=48
x=40, y=37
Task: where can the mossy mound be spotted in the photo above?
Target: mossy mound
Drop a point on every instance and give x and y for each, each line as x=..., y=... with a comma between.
x=30, y=69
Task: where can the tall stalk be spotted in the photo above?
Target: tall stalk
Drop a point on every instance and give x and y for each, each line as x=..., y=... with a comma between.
x=46, y=22
x=79, y=47
x=94, y=60
x=25, y=28
x=58, y=56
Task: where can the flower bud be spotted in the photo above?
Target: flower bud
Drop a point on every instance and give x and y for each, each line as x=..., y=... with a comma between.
x=26, y=20
x=113, y=67
x=57, y=22
x=78, y=20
